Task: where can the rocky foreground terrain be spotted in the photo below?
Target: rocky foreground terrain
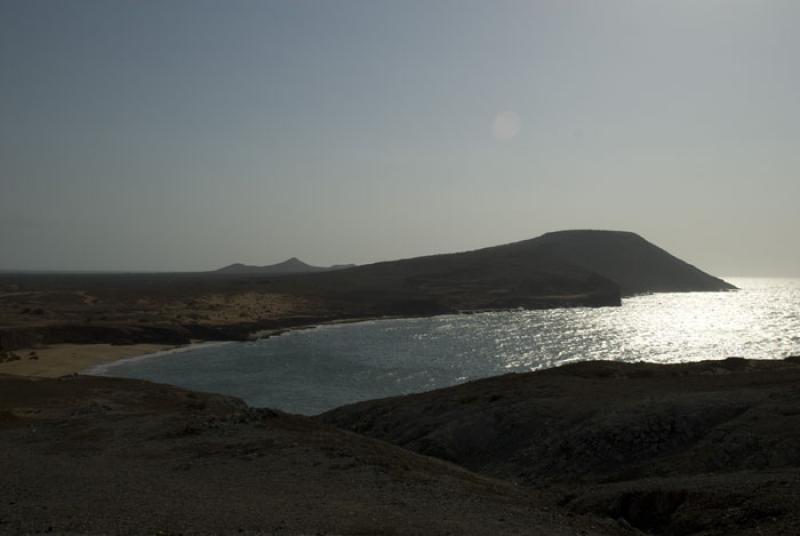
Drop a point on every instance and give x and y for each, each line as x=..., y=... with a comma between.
x=89, y=455
x=707, y=448
x=595, y=448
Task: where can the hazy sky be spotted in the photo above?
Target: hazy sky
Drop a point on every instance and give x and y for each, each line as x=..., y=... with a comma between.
x=191, y=134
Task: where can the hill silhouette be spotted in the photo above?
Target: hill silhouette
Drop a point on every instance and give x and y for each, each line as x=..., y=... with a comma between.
x=491, y=278
x=626, y=258
x=289, y=266
x=555, y=269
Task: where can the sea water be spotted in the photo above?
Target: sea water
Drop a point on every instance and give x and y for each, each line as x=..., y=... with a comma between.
x=310, y=371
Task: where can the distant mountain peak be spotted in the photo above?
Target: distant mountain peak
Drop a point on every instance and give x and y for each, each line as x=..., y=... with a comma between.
x=292, y=265
x=293, y=261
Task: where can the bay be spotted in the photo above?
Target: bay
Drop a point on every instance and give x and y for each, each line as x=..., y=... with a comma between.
x=311, y=371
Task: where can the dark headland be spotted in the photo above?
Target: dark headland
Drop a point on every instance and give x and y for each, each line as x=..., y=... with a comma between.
x=564, y=269
x=636, y=265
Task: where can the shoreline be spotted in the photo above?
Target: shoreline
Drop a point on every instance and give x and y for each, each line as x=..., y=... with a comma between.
x=98, y=369
x=94, y=359
x=56, y=360
x=101, y=369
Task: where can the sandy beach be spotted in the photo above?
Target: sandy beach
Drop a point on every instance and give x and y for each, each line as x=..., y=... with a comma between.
x=62, y=359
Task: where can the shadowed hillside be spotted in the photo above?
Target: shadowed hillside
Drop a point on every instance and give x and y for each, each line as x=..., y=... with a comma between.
x=491, y=278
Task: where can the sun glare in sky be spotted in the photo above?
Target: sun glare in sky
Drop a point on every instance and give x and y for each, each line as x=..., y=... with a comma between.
x=506, y=126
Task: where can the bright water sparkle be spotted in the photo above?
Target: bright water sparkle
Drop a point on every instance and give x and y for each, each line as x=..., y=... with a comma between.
x=310, y=371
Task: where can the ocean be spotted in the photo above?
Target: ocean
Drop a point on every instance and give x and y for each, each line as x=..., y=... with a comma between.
x=311, y=371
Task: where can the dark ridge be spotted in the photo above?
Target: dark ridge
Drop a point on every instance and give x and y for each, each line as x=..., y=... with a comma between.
x=499, y=277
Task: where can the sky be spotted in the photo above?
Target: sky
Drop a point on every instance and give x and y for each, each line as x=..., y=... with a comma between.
x=187, y=135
